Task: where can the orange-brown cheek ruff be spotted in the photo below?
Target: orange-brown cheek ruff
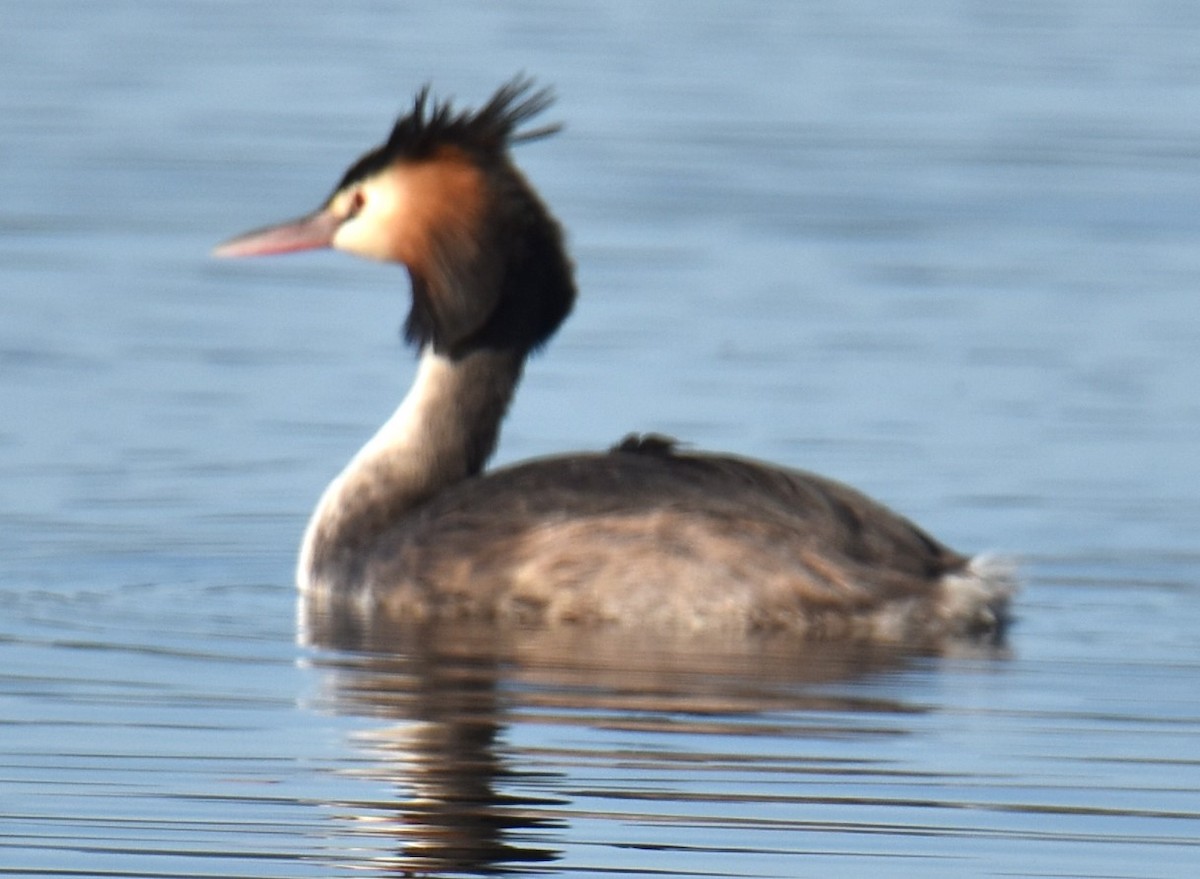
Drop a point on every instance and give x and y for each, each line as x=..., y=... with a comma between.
x=435, y=205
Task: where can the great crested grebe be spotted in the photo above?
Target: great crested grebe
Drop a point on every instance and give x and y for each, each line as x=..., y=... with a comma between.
x=643, y=534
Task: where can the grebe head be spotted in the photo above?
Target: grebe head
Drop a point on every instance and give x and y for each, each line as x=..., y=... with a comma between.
x=442, y=197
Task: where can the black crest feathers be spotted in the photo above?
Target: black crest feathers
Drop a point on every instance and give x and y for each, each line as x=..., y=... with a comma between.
x=483, y=133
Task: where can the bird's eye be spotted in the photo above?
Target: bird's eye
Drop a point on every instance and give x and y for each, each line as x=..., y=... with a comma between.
x=356, y=204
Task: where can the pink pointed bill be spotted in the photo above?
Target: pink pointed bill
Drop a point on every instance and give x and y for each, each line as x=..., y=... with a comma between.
x=306, y=233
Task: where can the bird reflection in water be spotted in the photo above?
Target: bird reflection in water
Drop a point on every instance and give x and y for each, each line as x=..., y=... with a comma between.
x=466, y=800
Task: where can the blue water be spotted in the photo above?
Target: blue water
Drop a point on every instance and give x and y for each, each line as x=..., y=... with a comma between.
x=949, y=255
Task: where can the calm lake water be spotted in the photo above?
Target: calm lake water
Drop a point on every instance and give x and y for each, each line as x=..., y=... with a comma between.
x=950, y=256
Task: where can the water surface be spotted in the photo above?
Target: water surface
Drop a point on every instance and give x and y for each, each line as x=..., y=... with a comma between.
x=949, y=257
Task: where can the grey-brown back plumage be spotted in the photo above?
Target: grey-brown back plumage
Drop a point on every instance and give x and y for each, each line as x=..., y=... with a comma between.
x=647, y=534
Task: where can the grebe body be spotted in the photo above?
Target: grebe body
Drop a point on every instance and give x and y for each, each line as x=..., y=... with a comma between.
x=644, y=534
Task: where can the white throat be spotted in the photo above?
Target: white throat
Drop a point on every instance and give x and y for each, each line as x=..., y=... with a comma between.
x=437, y=437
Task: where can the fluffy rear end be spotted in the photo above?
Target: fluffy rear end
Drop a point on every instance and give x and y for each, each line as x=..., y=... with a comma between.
x=975, y=600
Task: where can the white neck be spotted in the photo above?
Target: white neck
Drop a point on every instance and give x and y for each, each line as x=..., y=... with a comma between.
x=441, y=434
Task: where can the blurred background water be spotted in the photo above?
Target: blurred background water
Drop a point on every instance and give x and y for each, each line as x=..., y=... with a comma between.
x=947, y=254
